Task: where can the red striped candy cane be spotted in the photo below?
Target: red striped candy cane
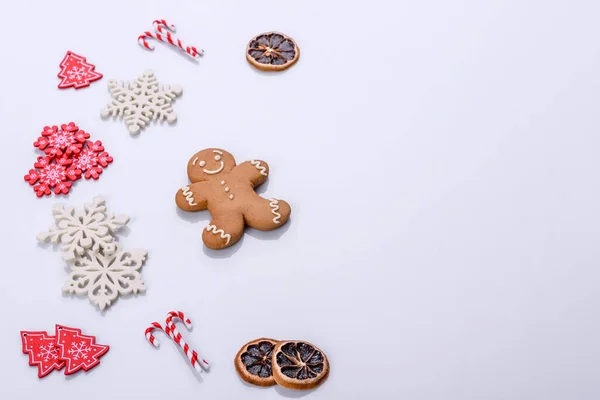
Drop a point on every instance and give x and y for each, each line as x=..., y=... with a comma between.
x=150, y=336
x=163, y=27
x=169, y=331
x=169, y=38
x=195, y=359
x=162, y=33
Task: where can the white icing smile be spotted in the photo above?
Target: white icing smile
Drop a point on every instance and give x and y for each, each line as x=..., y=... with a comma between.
x=214, y=171
x=202, y=163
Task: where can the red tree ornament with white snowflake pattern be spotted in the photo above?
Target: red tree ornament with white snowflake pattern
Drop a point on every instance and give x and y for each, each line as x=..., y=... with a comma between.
x=78, y=350
x=76, y=72
x=42, y=351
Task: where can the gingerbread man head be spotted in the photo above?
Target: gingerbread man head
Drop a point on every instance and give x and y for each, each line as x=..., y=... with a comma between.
x=208, y=164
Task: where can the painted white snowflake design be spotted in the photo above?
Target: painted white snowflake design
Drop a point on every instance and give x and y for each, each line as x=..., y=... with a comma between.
x=79, y=350
x=77, y=73
x=88, y=228
x=104, y=277
x=48, y=352
x=140, y=101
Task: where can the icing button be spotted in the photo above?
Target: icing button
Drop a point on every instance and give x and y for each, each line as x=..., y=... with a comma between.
x=230, y=197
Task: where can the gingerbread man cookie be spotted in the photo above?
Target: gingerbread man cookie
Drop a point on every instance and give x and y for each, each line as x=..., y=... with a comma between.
x=227, y=192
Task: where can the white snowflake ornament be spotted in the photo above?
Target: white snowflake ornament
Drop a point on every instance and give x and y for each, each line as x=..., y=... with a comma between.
x=140, y=101
x=88, y=228
x=104, y=277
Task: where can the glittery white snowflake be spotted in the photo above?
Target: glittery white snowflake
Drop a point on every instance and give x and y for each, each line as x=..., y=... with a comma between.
x=88, y=228
x=79, y=350
x=140, y=101
x=104, y=277
x=48, y=352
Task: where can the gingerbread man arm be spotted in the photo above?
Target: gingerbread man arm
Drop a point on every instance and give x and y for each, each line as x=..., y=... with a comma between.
x=256, y=171
x=192, y=197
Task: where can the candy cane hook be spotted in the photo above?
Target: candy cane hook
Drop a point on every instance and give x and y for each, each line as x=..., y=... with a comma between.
x=179, y=315
x=159, y=23
x=195, y=359
x=150, y=336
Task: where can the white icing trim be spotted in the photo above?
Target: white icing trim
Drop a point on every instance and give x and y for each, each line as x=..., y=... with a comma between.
x=195, y=160
x=273, y=203
x=217, y=151
x=214, y=171
x=263, y=170
x=230, y=197
x=188, y=195
x=213, y=229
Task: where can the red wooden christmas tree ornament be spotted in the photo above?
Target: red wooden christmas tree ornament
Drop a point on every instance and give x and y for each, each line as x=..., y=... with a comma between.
x=42, y=351
x=79, y=351
x=76, y=72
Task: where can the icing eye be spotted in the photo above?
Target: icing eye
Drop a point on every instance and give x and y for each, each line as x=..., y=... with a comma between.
x=202, y=163
x=217, y=158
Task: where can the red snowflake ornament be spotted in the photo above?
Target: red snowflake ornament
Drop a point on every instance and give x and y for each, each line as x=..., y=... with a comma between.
x=76, y=72
x=55, y=141
x=79, y=351
x=68, y=155
x=42, y=351
x=52, y=173
x=92, y=159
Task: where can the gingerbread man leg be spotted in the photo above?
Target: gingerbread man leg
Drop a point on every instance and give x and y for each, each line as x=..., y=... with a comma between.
x=267, y=214
x=223, y=231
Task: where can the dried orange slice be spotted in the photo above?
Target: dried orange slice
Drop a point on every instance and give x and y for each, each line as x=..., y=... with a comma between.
x=253, y=362
x=272, y=51
x=299, y=365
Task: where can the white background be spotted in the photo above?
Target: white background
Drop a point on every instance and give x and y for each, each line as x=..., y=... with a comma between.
x=441, y=162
